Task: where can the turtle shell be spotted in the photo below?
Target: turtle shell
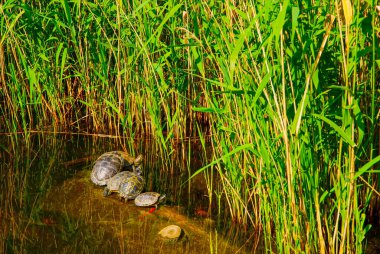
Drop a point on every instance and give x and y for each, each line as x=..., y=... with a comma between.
x=149, y=199
x=132, y=187
x=114, y=182
x=110, y=163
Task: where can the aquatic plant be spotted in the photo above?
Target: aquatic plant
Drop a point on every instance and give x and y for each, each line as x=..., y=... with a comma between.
x=287, y=92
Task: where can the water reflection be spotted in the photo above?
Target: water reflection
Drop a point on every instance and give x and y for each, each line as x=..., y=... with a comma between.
x=48, y=203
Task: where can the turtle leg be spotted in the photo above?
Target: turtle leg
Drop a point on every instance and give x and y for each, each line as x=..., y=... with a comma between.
x=106, y=192
x=121, y=199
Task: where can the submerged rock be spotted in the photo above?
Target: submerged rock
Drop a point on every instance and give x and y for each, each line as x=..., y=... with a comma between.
x=171, y=233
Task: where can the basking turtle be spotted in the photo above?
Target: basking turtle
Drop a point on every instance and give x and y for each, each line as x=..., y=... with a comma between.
x=149, y=199
x=130, y=188
x=114, y=182
x=110, y=163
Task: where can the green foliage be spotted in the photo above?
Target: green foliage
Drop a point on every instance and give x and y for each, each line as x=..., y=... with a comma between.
x=287, y=90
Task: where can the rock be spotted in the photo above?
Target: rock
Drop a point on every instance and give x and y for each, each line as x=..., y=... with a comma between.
x=171, y=233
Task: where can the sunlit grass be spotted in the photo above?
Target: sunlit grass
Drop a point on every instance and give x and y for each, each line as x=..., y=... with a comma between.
x=288, y=93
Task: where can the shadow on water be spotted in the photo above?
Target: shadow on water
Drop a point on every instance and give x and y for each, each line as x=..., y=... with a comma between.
x=49, y=205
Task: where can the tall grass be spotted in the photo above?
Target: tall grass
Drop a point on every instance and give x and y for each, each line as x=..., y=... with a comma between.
x=288, y=92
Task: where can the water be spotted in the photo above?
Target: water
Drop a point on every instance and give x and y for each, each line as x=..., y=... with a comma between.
x=49, y=205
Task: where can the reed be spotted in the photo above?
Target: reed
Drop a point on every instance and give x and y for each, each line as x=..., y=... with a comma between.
x=287, y=91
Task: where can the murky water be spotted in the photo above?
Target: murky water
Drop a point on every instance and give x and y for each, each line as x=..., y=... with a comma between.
x=49, y=204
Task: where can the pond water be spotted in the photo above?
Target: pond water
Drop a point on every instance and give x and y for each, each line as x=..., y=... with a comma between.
x=49, y=204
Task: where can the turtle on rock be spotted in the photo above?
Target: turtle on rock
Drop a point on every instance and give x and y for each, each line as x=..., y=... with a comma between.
x=110, y=163
x=149, y=199
x=131, y=187
x=114, y=182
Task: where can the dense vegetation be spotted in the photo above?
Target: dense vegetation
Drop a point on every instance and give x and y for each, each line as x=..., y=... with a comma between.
x=286, y=92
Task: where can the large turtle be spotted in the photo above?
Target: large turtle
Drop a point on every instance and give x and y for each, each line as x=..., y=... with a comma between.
x=110, y=163
x=149, y=199
x=114, y=182
x=131, y=187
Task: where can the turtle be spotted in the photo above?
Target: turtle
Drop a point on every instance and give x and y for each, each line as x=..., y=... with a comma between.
x=114, y=182
x=171, y=233
x=131, y=187
x=149, y=199
x=110, y=163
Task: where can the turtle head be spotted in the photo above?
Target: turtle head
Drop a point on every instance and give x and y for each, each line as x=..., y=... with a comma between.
x=161, y=198
x=137, y=164
x=138, y=160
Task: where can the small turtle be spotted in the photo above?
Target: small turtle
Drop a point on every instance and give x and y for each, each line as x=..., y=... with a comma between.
x=114, y=182
x=110, y=163
x=131, y=187
x=149, y=199
x=171, y=233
